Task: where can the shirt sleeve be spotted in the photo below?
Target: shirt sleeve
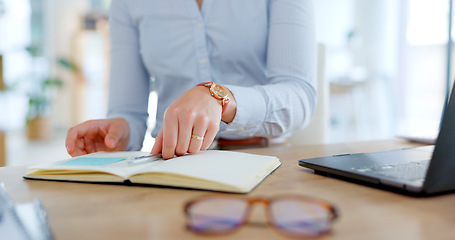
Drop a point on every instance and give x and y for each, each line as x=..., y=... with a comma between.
x=129, y=85
x=287, y=102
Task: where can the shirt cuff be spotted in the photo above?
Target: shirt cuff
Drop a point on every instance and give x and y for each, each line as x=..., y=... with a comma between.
x=251, y=111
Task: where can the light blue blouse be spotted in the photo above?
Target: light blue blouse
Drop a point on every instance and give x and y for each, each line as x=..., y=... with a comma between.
x=264, y=51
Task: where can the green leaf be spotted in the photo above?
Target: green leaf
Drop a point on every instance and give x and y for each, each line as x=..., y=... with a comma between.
x=68, y=64
x=57, y=82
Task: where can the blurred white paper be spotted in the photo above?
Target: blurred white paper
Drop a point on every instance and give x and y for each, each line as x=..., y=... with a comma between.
x=26, y=221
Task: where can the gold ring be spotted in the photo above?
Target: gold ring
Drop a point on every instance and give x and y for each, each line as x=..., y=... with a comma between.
x=197, y=137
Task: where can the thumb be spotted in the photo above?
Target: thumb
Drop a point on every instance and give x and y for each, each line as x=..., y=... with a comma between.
x=111, y=141
x=113, y=136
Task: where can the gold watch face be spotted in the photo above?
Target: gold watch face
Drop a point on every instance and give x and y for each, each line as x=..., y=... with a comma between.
x=218, y=91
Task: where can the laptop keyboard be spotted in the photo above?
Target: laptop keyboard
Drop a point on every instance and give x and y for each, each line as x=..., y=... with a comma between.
x=412, y=171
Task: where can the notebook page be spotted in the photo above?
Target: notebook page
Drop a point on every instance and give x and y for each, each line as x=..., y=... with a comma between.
x=109, y=162
x=231, y=168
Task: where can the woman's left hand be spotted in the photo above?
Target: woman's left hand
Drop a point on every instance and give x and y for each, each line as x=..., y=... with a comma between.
x=191, y=123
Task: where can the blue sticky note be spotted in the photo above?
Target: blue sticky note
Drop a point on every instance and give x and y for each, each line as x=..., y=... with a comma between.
x=88, y=161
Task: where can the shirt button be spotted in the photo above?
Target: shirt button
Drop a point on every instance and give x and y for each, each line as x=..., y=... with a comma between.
x=203, y=61
x=200, y=25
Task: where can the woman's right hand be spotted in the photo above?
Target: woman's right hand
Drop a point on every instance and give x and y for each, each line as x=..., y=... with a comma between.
x=98, y=135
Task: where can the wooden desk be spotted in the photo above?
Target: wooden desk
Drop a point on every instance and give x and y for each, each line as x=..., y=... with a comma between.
x=96, y=211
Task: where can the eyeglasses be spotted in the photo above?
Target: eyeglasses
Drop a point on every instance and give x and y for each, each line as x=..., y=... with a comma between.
x=292, y=215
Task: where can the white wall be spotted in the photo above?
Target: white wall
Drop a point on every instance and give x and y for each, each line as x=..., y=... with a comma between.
x=362, y=41
x=334, y=19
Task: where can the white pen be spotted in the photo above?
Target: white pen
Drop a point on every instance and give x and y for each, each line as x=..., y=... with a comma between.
x=143, y=159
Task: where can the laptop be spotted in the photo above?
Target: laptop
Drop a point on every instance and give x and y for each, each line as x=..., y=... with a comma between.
x=427, y=170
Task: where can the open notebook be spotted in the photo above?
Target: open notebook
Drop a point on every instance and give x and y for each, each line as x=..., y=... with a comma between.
x=215, y=170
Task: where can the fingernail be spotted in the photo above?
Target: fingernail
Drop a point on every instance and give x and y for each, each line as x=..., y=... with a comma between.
x=111, y=142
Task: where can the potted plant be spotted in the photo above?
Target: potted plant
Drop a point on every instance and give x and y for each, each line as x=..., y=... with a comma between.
x=41, y=92
x=39, y=107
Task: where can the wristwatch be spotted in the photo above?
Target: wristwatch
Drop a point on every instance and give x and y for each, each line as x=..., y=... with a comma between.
x=219, y=92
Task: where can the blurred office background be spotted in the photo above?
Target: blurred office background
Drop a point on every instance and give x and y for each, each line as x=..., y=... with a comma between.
x=386, y=65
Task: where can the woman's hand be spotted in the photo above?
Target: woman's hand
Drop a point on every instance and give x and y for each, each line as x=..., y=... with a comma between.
x=191, y=123
x=98, y=135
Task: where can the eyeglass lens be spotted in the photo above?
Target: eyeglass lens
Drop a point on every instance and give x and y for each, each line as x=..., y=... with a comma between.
x=217, y=214
x=298, y=217
x=293, y=216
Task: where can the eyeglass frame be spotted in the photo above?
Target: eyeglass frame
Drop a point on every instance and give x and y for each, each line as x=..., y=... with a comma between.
x=332, y=211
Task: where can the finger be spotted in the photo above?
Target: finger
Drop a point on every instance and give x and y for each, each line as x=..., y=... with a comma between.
x=199, y=131
x=69, y=146
x=170, y=132
x=158, y=146
x=196, y=142
x=100, y=145
x=79, y=148
x=210, y=135
x=89, y=146
x=113, y=136
x=72, y=137
x=74, y=143
x=184, y=134
x=91, y=138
